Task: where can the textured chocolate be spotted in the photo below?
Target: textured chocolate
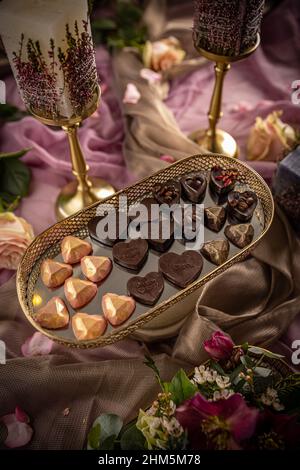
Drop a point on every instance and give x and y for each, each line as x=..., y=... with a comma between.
x=222, y=180
x=241, y=205
x=216, y=251
x=240, y=235
x=194, y=186
x=160, y=244
x=182, y=269
x=108, y=241
x=147, y=289
x=131, y=254
x=168, y=192
x=214, y=218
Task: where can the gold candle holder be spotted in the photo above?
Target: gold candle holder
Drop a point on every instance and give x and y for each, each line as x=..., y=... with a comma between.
x=85, y=190
x=213, y=139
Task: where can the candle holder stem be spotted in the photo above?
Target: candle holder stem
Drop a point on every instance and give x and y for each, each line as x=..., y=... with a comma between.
x=215, y=112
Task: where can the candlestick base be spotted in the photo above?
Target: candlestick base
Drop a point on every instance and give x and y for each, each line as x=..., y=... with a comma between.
x=72, y=199
x=224, y=143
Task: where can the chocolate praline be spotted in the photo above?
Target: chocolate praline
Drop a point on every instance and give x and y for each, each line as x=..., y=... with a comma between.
x=147, y=289
x=241, y=235
x=120, y=232
x=241, y=205
x=194, y=186
x=214, y=218
x=168, y=192
x=222, y=180
x=182, y=269
x=131, y=254
x=216, y=251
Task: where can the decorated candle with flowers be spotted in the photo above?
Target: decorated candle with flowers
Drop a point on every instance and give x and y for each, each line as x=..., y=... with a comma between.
x=50, y=49
x=227, y=27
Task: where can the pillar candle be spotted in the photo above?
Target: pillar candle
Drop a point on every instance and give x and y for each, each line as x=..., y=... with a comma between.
x=50, y=49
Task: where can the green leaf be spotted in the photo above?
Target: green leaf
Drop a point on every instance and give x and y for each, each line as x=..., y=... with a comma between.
x=9, y=113
x=14, y=177
x=94, y=437
x=216, y=366
x=266, y=352
x=104, y=24
x=132, y=439
x=236, y=371
x=180, y=387
x=18, y=154
x=105, y=430
x=289, y=392
x=248, y=362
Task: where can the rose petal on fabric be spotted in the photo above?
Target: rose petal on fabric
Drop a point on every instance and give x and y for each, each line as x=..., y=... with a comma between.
x=151, y=76
x=18, y=432
x=37, y=345
x=132, y=94
x=167, y=158
x=21, y=415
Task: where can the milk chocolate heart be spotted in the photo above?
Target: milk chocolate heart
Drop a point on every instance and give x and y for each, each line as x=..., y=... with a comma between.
x=132, y=254
x=168, y=192
x=87, y=327
x=181, y=269
x=147, y=289
x=216, y=251
x=117, y=308
x=240, y=235
x=73, y=249
x=53, y=315
x=241, y=205
x=222, y=180
x=214, y=218
x=96, y=268
x=194, y=186
x=54, y=274
x=79, y=292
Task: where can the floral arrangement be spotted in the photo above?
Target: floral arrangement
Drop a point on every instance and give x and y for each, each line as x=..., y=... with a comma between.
x=236, y=400
x=16, y=234
x=163, y=54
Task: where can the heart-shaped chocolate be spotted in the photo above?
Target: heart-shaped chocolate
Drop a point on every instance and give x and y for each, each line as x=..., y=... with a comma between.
x=79, y=292
x=87, y=327
x=100, y=229
x=147, y=289
x=73, y=249
x=216, y=251
x=214, y=218
x=168, y=192
x=53, y=315
x=54, y=274
x=132, y=254
x=117, y=308
x=241, y=205
x=157, y=227
x=194, y=186
x=182, y=269
x=240, y=235
x=222, y=180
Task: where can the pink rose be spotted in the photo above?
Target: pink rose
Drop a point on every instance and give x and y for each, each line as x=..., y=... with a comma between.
x=162, y=55
x=15, y=236
x=270, y=138
x=219, y=346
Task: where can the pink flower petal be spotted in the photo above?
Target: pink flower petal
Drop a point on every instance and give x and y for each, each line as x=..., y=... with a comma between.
x=21, y=416
x=132, y=94
x=18, y=433
x=37, y=345
x=151, y=76
x=167, y=158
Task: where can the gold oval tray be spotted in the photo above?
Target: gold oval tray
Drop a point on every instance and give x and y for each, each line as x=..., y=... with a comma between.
x=32, y=294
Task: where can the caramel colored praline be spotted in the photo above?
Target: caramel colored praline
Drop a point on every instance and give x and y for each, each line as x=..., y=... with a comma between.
x=54, y=274
x=88, y=327
x=79, y=292
x=53, y=315
x=96, y=268
x=73, y=249
x=117, y=308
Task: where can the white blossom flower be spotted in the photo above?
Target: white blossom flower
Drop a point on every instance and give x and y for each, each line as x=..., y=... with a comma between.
x=270, y=398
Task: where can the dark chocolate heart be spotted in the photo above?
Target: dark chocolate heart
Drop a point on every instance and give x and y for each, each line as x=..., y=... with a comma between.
x=187, y=223
x=241, y=205
x=240, y=235
x=216, y=251
x=222, y=180
x=182, y=269
x=214, y=218
x=132, y=254
x=147, y=202
x=194, y=186
x=147, y=289
x=120, y=232
x=168, y=192
x=160, y=243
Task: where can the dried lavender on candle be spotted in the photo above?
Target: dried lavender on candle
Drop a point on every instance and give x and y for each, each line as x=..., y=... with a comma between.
x=227, y=27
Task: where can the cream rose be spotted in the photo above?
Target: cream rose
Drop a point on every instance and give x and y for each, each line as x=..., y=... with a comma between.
x=162, y=55
x=270, y=138
x=15, y=236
